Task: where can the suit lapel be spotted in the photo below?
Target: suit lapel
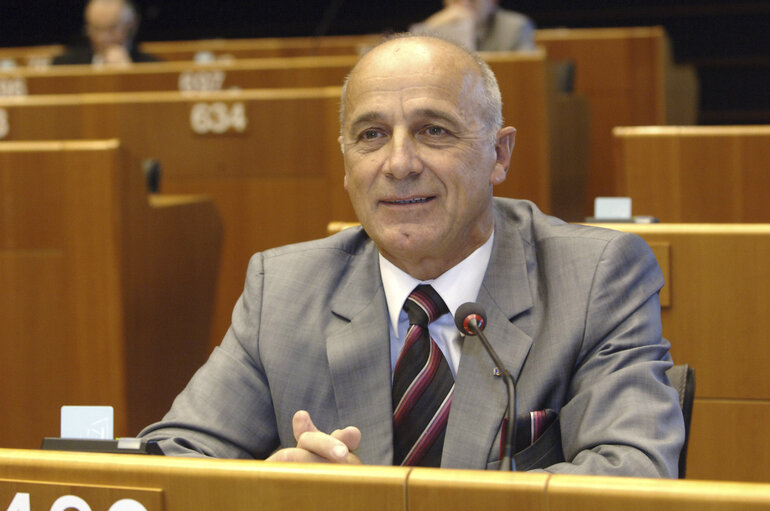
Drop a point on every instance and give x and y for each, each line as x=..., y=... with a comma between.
x=358, y=351
x=480, y=397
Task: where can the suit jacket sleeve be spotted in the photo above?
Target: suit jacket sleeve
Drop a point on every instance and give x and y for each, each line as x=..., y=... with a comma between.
x=226, y=409
x=622, y=416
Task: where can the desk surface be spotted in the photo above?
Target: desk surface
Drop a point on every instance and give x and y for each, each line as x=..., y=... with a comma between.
x=189, y=484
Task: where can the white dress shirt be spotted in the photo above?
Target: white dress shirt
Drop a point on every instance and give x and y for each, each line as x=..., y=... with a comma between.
x=456, y=286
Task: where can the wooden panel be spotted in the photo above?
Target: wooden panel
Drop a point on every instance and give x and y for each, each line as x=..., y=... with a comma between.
x=620, y=71
x=449, y=490
x=579, y=493
x=34, y=345
x=190, y=484
x=185, y=76
x=219, y=49
x=224, y=49
x=695, y=174
x=524, y=88
x=111, y=307
x=270, y=180
x=31, y=55
x=728, y=440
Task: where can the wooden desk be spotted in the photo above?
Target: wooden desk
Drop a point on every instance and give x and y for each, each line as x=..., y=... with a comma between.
x=182, y=76
x=172, y=484
x=695, y=173
x=106, y=293
x=228, y=49
x=268, y=158
x=217, y=49
x=620, y=71
x=31, y=55
x=715, y=313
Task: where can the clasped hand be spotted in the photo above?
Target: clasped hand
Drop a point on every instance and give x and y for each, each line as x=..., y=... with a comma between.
x=314, y=446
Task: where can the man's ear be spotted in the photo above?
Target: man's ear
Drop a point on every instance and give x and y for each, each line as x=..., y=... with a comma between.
x=506, y=139
x=341, y=142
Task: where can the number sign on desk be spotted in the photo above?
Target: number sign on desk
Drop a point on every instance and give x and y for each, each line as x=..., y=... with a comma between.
x=34, y=496
x=197, y=81
x=218, y=118
x=13, y=86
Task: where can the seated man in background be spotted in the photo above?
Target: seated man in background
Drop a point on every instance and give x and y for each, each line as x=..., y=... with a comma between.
x=480, y=25
x=110, y=26
x=344, y=349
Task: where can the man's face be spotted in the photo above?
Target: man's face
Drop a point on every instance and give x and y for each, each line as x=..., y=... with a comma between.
x=108, y=23
x=420, y=161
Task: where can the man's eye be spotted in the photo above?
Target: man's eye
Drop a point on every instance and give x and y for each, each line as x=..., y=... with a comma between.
x=370, y=134
x=435, y=131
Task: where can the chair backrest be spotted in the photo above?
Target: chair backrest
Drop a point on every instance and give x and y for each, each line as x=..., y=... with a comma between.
x=682, y=378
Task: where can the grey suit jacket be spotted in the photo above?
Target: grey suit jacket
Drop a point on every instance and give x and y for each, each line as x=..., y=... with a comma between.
x=507, y=31
x=504, y=31
x=572, y=311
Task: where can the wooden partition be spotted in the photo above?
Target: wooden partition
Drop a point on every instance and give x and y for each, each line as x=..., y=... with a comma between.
x=31, y=55
x=182, y=76
x=106, y=294
x=715, y=313
x=620, y=71
x=268, y=158
x=228, y=49
x=695, y=173
x=40, y=479
x=217, y=49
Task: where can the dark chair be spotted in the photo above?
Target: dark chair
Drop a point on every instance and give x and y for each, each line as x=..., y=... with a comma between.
x=682, y=378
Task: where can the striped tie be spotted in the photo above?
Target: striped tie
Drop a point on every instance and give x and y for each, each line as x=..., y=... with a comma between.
x=422, y=386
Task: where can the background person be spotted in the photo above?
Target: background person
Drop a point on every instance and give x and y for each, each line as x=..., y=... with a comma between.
x=480, y=25
x=110, y=27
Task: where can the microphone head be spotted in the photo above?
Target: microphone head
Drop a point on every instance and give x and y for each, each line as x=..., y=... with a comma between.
x=468, y=312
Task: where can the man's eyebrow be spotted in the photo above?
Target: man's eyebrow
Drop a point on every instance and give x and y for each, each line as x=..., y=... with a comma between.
x=430, y=113
x=422, y=113
x=365, y=118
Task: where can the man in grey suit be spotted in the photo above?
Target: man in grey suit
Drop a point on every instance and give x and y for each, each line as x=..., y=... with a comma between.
x=480, y=25
x=305, y=371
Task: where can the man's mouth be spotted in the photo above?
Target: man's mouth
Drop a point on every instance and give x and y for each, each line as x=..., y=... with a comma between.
x=413, y=200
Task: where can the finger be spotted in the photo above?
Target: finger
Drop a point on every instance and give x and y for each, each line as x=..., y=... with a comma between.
x=324, y=446
x=295, y=455
x=350, y=436
x=302, y=423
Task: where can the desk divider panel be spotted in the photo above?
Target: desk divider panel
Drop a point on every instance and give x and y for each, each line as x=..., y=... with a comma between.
x=106, y=294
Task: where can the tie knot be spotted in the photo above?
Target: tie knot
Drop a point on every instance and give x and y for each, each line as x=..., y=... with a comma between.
x=424, y=305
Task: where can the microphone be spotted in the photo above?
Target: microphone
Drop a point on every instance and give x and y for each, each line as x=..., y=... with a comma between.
x=471, y=319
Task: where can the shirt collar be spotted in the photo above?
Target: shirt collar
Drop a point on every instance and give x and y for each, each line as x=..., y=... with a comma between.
x=458, y=285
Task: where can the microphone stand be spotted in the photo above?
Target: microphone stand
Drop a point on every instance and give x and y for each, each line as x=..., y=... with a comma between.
x=507, y=462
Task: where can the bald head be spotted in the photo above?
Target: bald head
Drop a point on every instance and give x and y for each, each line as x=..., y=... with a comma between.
x=110, y=23
x=427, y=54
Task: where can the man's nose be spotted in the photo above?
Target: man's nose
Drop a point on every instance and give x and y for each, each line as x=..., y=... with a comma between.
x=403, y=159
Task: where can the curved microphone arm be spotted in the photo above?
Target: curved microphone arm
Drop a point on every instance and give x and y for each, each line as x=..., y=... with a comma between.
x=507, y=462
x=470, y=319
